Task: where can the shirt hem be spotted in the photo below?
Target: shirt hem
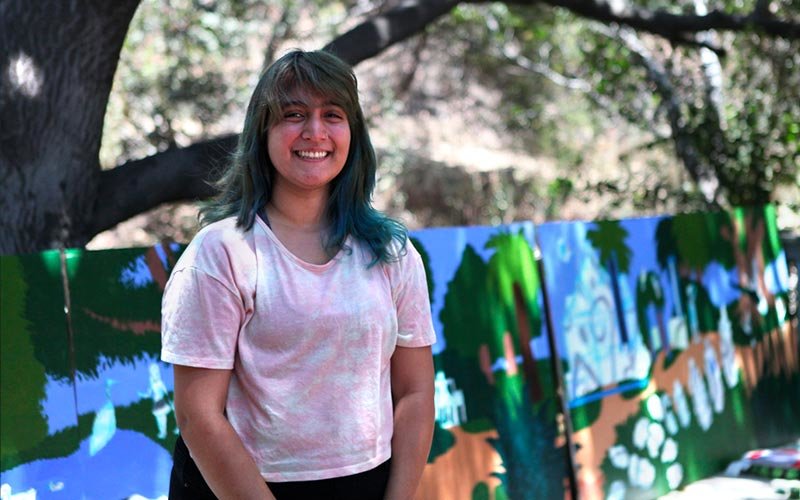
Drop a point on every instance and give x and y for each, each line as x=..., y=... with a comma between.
x=176, y=359
x=282, y=477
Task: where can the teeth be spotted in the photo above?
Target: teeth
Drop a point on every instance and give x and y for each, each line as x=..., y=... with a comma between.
x=312, y=155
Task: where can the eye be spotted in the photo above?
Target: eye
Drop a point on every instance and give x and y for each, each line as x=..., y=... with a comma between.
x=336, y=115
x=292, y=115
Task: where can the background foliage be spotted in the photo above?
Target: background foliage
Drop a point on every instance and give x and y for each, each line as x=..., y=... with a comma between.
x=586, y=119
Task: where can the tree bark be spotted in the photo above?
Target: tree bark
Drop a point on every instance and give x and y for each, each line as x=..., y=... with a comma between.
x=58, y=63
x=674, y=26
x=175, y=174
x=374, y=35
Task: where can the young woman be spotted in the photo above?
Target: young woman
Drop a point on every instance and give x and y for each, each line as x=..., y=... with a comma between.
x=298, y=319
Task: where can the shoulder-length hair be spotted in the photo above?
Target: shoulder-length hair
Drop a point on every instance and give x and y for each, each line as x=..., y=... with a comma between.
x=246, y=186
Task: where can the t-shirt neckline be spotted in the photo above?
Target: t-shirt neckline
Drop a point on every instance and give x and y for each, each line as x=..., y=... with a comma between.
x=288, y=253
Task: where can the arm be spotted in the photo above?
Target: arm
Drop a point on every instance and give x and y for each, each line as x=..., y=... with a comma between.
x=226, y=465
x=412, y=393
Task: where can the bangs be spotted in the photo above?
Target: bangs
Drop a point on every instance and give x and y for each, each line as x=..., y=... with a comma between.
x=316, y=74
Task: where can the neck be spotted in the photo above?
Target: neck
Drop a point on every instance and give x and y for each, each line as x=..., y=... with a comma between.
x=305, y=213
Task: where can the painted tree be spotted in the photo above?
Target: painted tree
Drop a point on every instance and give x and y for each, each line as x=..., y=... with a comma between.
x=490, y=315
x=514, y=279
x=608, y=238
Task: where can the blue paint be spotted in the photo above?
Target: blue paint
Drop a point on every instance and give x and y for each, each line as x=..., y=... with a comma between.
x=130, y=463
x=590, y=398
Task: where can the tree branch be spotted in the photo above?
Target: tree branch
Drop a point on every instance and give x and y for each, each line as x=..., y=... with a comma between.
x=674, y=26
x=175, y=174
x=703, y=176
x=182, y=173
x=374, y=35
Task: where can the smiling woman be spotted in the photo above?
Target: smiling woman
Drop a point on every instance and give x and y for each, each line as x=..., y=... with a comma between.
x=296, y=293
x=308, y=146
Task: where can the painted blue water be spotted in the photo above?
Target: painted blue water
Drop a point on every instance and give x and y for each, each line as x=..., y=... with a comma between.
x=132, y=378
x=130, y=463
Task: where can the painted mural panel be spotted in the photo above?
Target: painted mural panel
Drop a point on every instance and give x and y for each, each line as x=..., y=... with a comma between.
x=107, y=400
x=123, y=391
x=671, y=333
x=37, y=414
x=675, y=342
x=495, y=401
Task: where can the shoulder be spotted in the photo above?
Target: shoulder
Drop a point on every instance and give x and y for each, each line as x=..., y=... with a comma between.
x=407, y=263
x=217, y=247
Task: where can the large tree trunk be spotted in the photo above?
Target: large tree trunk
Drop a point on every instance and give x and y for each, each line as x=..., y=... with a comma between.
x=58, y=65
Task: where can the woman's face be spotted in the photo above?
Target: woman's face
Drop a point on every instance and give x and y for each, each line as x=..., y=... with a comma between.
x=309, y=143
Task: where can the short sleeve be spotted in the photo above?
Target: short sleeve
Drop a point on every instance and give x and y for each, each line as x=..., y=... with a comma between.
x=414, y=321
x=200, y=320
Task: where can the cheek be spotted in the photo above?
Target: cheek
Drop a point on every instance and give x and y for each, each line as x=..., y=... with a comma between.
x=346, y=141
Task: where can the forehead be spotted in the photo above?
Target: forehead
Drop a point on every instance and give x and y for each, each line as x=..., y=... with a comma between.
x=309, y=99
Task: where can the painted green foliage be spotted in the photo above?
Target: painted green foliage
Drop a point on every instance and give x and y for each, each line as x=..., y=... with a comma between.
x=116, y=306
x=426, y=263
x=465, y=321
x=666, y=453
x=114, y=316
x=691, y=242
x=22, y=378
x=491, y=312
x=526, y=426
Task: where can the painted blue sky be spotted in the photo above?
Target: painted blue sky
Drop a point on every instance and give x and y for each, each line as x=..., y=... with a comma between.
x=445, y=246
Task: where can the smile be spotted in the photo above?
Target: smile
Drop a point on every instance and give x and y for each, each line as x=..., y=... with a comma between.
x=312, y=155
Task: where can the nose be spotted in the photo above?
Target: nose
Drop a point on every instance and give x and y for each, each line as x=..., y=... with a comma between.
x=314, y=129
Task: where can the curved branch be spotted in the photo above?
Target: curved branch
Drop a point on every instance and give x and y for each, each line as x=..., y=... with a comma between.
x=173, y=175
x=182, y=173
x=701, y=174
x=674, y=26
x=371, y=37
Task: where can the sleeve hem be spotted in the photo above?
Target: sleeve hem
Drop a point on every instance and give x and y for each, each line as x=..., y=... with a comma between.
x=416, y=341
x=176, y=359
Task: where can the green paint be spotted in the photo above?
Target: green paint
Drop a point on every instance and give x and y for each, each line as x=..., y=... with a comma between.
x=443, y=440
x=22, y=377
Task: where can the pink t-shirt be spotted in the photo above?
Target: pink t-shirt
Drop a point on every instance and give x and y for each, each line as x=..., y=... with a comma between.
x=309, y=345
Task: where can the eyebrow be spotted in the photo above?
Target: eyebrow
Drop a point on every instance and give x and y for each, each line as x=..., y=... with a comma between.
x=304, y=104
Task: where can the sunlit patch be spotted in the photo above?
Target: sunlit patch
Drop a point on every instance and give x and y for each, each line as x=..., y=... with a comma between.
x=24, y=76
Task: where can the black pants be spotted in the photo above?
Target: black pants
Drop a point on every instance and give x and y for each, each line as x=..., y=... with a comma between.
x=186, y=483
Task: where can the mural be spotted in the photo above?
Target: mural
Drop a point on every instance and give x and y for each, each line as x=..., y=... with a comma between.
x=495, y=395
x=670, y=333
x=674, y=337
x=86, y=407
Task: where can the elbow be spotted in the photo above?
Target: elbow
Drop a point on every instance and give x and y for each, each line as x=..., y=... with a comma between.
x=197, y=425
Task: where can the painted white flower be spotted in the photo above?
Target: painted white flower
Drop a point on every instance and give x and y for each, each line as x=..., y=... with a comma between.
x=616, y=491
x=619, y=456
x=655, y=408
x=655, y=437
x=714, y=377
x=681, y=405
x=674, y=475
x=640, y=433
x=641, y=472
x=647, y=473
x=700, y=402
x=729, y=367
x=672, y=424
x=670, y=451
x=633, y=469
